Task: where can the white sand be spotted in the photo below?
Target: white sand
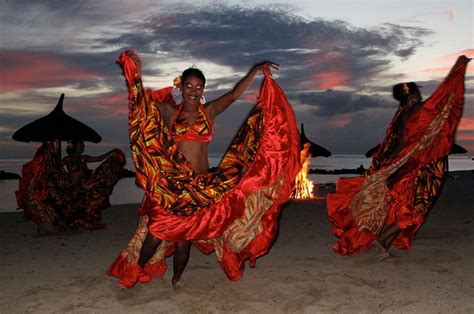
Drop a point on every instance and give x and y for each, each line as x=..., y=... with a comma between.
x=66, y=273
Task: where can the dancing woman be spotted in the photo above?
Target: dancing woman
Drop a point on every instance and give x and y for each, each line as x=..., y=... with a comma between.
x=231, y=209
x=76, y=162
x=388, y=205
x=90, y=190
x=57, y=200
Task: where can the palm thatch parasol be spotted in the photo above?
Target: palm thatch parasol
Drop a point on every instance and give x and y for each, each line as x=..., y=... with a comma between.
x=372, y=151
x=456, y=149
x=315, y=150
x=57, y=125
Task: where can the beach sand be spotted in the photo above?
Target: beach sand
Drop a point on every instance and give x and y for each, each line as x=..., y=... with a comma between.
x=67, y=272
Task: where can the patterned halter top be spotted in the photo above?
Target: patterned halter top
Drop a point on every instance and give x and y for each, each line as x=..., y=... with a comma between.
x=201, y=131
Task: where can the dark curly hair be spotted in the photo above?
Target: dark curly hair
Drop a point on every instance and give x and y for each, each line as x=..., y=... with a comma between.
x=402, y=90
x=193, y=72
x=72, y=146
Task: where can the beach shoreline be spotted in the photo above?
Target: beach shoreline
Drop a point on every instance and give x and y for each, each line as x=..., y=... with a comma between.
x=67, y=272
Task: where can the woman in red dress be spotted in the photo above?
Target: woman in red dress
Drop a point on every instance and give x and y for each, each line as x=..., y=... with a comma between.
x=90, y=190
x=231, y=209
x=389, y=203
x=60, y=200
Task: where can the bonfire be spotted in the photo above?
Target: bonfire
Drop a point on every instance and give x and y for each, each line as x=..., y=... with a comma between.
x=304, y=186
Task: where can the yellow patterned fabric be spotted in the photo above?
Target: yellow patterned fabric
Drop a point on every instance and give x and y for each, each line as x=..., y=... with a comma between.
x=407, y=170
x=232, y=209
x=369, y=205
x=200, y=131
x=165, y=174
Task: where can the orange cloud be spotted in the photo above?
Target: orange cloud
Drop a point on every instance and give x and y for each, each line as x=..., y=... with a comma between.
x=327, y=80
x=466, y=124
x=112, y=103
x=29, y=70
x=115, y=99
x=449, y=61
x=465, y=137
x=333, y=70
x=467, y=52
x=340, y=122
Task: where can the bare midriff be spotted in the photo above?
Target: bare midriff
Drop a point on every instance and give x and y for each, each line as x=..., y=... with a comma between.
x=196, y=154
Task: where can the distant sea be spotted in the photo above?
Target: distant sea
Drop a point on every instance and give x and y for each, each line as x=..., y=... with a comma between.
x=127, y=192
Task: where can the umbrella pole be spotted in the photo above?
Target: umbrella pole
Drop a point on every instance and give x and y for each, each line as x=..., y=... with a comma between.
x=447, y=166
x=57, y=148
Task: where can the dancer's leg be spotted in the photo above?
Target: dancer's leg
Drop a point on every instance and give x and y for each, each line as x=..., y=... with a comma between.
x=180, y=260
x=384, y=240
x=388, y=235
x=148, y=249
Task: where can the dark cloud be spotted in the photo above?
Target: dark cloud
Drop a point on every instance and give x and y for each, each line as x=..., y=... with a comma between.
x=404, y=39
x=332, y=102
x=317, y=55
x=239, y=37
x=359, y=133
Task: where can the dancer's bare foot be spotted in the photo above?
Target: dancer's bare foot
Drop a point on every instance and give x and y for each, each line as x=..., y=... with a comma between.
x=177, y=284
x=380, y=246
x=47, y=229
x=385, y=256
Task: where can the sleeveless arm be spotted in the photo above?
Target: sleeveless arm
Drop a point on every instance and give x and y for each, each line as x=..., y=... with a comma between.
x=217, y=106
x=132, y=73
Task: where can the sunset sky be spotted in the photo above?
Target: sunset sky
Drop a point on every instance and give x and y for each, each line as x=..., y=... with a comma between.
x=339, y=60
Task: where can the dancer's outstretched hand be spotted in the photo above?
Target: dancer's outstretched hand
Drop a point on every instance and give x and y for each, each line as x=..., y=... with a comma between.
x=269, y=65
x=136, y=59
x=463, y=59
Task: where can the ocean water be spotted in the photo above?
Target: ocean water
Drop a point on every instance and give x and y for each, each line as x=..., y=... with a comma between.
x=127, y=192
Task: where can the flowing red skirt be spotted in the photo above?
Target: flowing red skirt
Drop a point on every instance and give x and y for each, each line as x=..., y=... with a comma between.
x=47, y=195
x=233, y=209
x=415, y=183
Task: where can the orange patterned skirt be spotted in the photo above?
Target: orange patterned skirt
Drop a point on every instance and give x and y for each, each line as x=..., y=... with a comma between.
x=232, y=209
x=403, y=188
x=47, y=195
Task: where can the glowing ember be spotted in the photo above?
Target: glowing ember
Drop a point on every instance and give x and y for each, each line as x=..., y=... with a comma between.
x=304, y=187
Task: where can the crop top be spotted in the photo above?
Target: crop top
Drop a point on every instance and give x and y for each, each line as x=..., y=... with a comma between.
x=201, y=131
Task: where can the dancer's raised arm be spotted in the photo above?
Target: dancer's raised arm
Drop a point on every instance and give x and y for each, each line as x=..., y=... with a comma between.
x=132, y=71
x=220, y=104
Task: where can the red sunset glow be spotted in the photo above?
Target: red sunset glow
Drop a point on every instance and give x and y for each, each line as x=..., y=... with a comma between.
x=341, y=122
x=29, y=70
x=328, y=80
x=466, y=124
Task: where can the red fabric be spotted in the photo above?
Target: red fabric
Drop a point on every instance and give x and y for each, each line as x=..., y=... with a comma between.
x=401, y=210
x=131, y=274
x=276, y=160
x=48, y=196
x=201, y=131
x=278, y=155
x=32, y=169
x=163, y=95
x=34, y=172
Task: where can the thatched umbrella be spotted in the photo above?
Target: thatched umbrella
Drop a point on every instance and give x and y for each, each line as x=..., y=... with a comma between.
x=315, y=150
x=56, y=126
x=372, y=151
x=456, y=149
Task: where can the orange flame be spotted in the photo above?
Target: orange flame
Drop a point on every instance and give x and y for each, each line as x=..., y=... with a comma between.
x=304, y=187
